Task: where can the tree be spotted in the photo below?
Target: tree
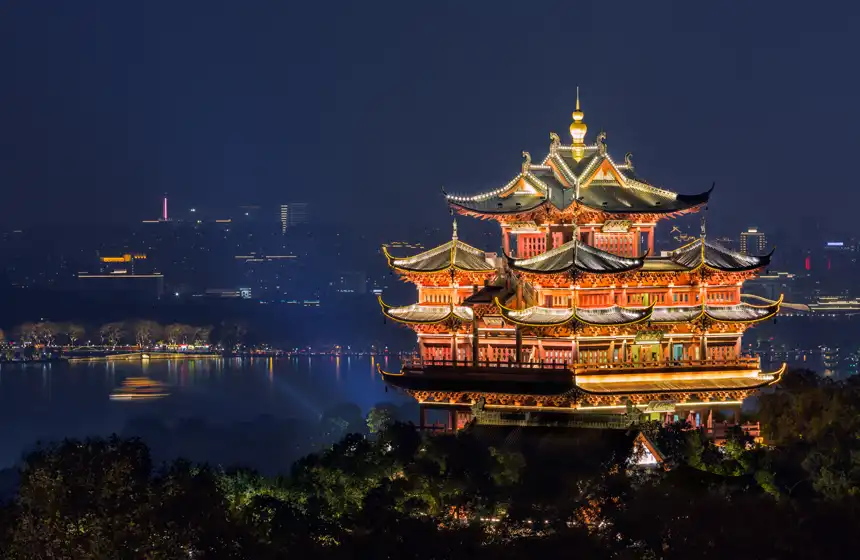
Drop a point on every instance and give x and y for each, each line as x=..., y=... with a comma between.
x=27, y=333
x=146, y=332
x=74, y=332
x=379, y=419
x=46, y=332
x=83, y=499
x=101, y=499
x=174, y=333
x=201, y=335
x=112, y=333
x=189, y=333
x=233, y=335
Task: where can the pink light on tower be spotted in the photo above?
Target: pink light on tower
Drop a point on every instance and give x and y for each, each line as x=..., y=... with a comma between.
x=164, y=211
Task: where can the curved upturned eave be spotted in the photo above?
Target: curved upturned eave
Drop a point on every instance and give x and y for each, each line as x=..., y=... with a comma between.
x=505, y=311
x=772, y=310
x=512, y=263
x=759, y=381
x=762, y=260
x=495, y=212
x=696, y=199
x=386, y=311
x=699, y=315
x=640, y=262
x=451, y=266
x=391, y=258
x=687, y=202
x=645, y=314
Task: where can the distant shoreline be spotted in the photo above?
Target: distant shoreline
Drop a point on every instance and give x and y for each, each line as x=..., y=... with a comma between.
x=141, y=356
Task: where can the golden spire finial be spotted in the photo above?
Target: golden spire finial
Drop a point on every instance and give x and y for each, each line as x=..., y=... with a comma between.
x=454, y=233
x=578, y=130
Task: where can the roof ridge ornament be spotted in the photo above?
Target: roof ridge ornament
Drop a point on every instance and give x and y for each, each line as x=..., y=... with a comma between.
x=577, y=131
x=601, y=143
x=527, y=162
x=554, y=143
x=454, y=232
x=628, y=160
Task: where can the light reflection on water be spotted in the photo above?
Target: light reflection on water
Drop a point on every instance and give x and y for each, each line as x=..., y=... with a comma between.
x=52, y=401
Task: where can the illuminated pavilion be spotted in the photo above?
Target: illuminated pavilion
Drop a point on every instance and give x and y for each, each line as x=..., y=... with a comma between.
x=579, y=315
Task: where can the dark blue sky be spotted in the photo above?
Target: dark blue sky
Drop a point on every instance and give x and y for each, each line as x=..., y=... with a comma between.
x=365, y=109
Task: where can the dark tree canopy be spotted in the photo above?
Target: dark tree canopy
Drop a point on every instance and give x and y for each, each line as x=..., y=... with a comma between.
x=485, y=492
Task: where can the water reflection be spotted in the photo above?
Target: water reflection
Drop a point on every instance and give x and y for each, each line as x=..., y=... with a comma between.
x=92, y=398
x=139, y=389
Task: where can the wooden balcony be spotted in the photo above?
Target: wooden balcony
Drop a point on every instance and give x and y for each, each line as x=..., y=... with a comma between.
x=743, y=362
x=415, y=362
x=739, y=363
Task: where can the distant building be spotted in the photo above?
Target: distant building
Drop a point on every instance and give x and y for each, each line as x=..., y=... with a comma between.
x=293, y=214
x=122, y=264
x=242, y=293
x=772, y=285
x=753, y=242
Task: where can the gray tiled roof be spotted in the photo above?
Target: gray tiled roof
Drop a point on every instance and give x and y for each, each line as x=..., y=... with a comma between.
x=418, y=313
x=632, y=198
x=617, y=315
x=742, y=312
x=715, y=256
x=613, y=315
x=579, y=255
x=453, y=253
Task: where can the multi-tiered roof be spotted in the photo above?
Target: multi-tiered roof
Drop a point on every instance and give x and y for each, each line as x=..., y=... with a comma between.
x=578, y=178
x=560, y=321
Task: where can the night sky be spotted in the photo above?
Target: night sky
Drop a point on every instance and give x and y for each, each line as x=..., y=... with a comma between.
x=365, y=109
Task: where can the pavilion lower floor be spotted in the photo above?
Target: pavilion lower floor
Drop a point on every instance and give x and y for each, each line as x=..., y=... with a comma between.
x=715, y=421
x=597, y=350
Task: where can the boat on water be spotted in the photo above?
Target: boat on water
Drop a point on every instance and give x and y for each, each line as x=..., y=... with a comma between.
x=139, y=388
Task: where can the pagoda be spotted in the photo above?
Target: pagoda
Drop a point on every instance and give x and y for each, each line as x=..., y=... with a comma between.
x=579, y=315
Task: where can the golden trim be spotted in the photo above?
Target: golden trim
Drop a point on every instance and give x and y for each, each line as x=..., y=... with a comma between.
x=385, y=307
x=574, y=315
x=390, y=258
x=385, y=374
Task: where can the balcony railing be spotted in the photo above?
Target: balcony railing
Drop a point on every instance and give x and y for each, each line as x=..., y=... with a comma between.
x=751, y=362
x=416, y=362
x=743, y=361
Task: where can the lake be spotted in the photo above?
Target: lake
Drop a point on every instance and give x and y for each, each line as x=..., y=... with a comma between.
x=259, y=412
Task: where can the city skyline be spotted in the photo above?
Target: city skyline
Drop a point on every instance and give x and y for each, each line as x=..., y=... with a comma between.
x=350, y=139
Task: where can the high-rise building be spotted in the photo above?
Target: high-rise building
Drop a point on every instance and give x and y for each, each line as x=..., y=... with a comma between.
x=285, y=213
x=579, y=316
x=753, y=242
x=293, y=214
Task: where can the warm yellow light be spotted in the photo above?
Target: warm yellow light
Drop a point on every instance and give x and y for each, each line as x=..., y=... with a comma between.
x=634, y=378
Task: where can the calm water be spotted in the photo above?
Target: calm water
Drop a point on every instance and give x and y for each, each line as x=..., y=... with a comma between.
x=209, y=398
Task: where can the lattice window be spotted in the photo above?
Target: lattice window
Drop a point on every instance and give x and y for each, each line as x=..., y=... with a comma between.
x=622, y=244
x=530, y=245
